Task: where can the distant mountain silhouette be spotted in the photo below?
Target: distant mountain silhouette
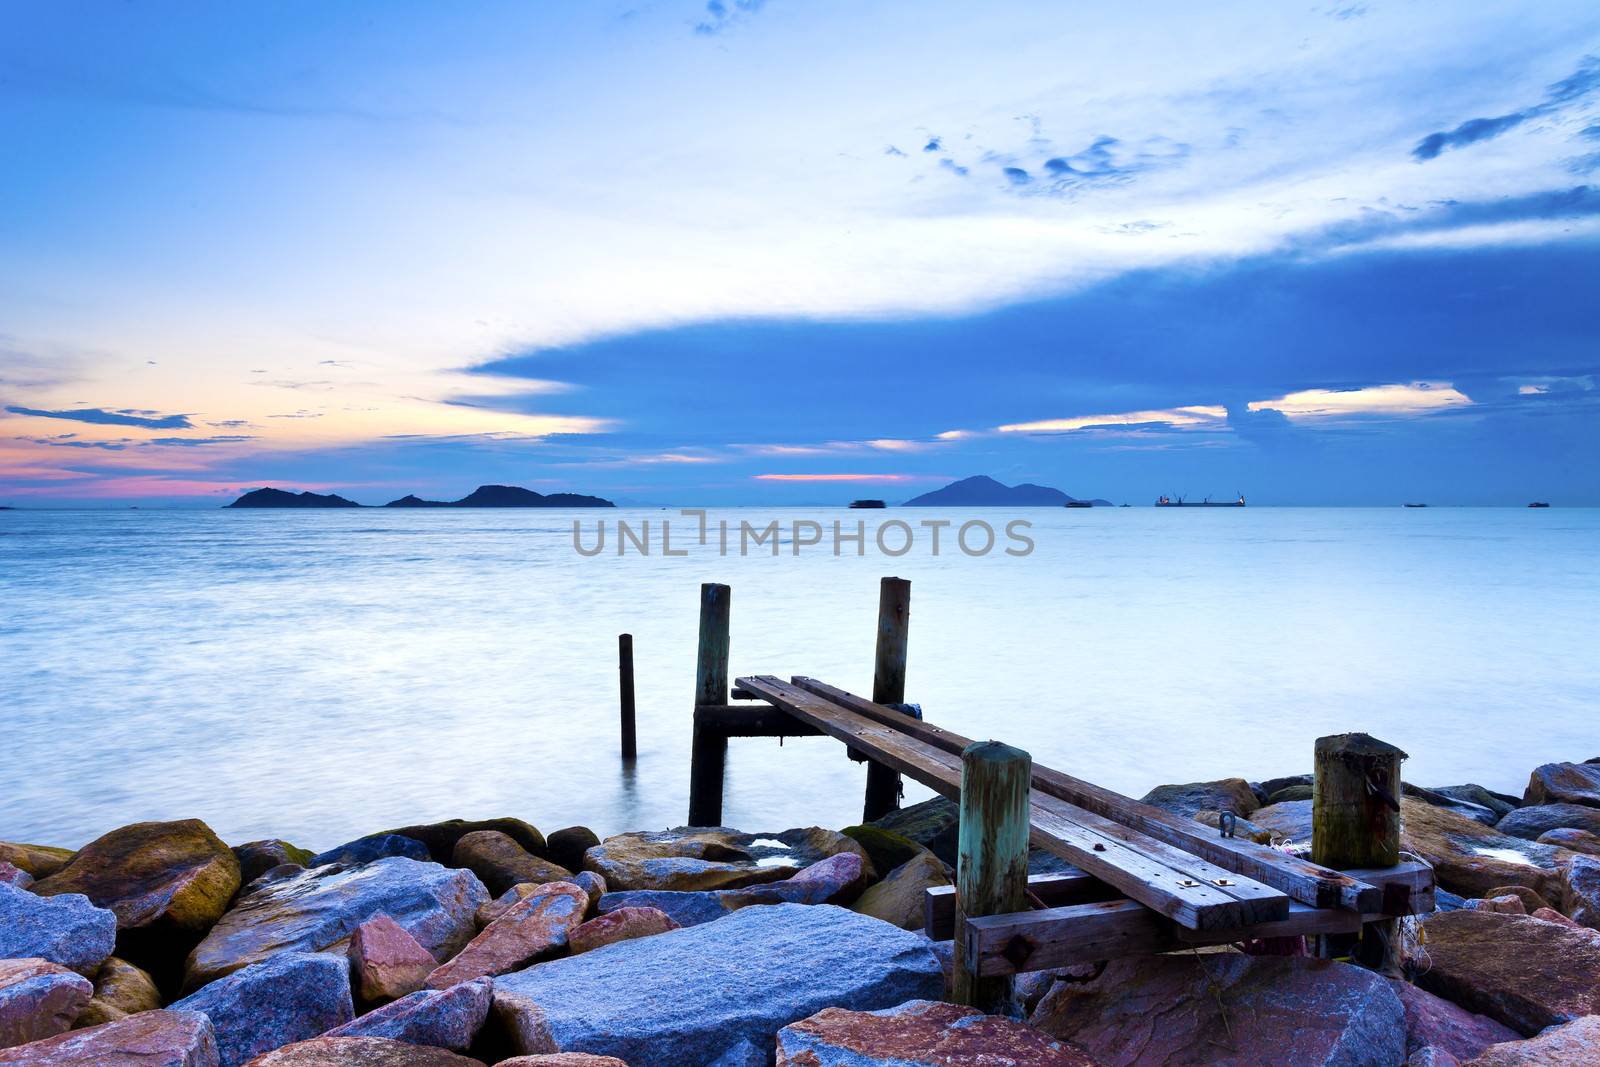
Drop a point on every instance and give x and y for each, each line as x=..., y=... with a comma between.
x=981, y=491
x=277, y=498
x=505, y=496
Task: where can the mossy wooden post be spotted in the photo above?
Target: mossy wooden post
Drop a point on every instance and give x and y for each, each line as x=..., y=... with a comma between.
x=709, y=753
x=1355, y=822
x=888, y=687
x=992, y=861
x=630, y=739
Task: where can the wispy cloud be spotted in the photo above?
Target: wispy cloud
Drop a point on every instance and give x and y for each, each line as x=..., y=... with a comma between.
x=1206, y=415
x=723, y=15
x=1415, y=398
x=1569, y=90
x=193, y=442
x=102, y=417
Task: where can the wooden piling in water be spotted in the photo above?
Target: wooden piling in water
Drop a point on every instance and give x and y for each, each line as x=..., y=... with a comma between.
x=709, y=751
x=630, y=739
x=1355, y=822
x=888, y=687
x=992, y=861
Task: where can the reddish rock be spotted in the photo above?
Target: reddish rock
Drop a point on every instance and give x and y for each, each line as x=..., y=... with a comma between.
x=532, y=927
x=503, y=903
x=590, y=883
x=443, y=1018
x=1507, y=904
x=1472, y=859
x=500, y=863
x=563, y=1059
x=624, y=924
x=11, y=874
x=1564, y=783
x=1265, y=1011
x=920, y=1033
x=1580, y=891
x=386, y=962
x=1570, y=1045
x=1434, y=1021
x=1531, y=901
x=149, y=1039
x=1551, y=915
x=1576, y=840
x=1521, y=971
x=39, y=999
x=1431, y=1057
x=360, y=1052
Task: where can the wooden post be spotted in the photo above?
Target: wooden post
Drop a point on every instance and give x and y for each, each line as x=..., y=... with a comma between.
x=992, y=861
x=888, y=687
x=1355, y=822
x=630, y=740
x=710, y=747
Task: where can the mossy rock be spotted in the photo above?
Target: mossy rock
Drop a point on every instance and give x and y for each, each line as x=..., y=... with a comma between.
x=1292, y=792
x=258, y=857
x=41, y=861
x=441, y=837
x=934, y=824
x=885, y=848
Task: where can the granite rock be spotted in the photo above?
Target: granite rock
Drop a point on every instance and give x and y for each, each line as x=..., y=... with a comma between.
x=360, y=1052
x=1569, y=1045
x=1499, y=803
x=827, y=881
x=1531, y=822
x=372, y=847
x=441, y=837
x=1520, y=971
x=900, y=897
x=920, y=1033
x=933, y=824
x=1580, y=891
x=563, y=1059
x=1564, y=783
x=65, y=929
x=39, y=999
x=531, y=928
x=386, y=962
x=149, y=1039
x=289, y=997
x=1470, y=858
x=500, y=863
x=41, y=861
x=443, y=1018
x=258, y=857
x=624, y=924
x=566, y=847
x=12, y=875
x=1434, y=1021
x=1576, y=840
x=1227, y=794
x=120, y=990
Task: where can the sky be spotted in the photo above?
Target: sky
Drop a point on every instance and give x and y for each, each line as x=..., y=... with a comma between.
x=772, y=252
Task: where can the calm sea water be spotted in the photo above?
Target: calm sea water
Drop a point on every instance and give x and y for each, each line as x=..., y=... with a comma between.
x=320, y=675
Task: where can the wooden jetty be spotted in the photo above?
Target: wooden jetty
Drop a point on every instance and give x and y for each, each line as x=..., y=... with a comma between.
x=1143, y=880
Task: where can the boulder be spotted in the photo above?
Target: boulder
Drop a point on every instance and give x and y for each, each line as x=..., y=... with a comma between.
x=592, y=884
x=1266, y=1011
x=493, y=909
x=1476, y=812
x=500, y=863
x=317, y=909
x=170, y=879
x=932, y=824
x=39, y=999
x=1577, y=840
x=1551, y=915
x=711, y=988
x=360, y=1052
x=707, y=859
x=1290, y=792
x=41, y=861
x=1289, y=820
x=441, y=837
x=517, y=1024
x=1470, y=858
x=1580, y=891
x=624, y=924
x=899, y=898
x=149, y=1039
x=1241, y=827
x=1520, y=971
x=1531, y=901
x=566, y=847
x=563, y=1059
x=444, y=1018
x=12, y=875
x=1499, y=803
x=884, y=848
x=1431, y=1057
x=531, y=928
x=372, y=847
x=1508, y=904
x=1564, y=783
x=1227, y=794
x=1531, y=822
x=258, y=857
x=828, y=881
x=386, y=962
x=920, y=1033
x=120, y=990
x=65, y=929
x=1435, y=1022
x=1568, y=1045
x=289, y=997
x=1276, y=785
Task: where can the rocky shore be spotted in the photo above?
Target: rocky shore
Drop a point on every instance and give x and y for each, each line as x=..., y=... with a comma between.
x=488, y=942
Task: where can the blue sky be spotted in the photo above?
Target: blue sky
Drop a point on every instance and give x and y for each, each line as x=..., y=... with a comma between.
x=772, y=252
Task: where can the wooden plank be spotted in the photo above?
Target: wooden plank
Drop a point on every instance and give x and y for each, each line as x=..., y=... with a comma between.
x=752, y=720
x=1304, y=881
x=1120, y=856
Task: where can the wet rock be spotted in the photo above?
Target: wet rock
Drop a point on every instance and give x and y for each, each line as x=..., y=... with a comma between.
x=373, y=847
x=1531, y=822
x=1580, y=891
x=317, y=909
x=566, y=847
x=386, y=962
x=500, y=863
x=1551, y=915
x=1564, y=783
x=920, y=1033
x=120, y=990
x=933, y=824
x=1499, y=803
x=64, y=929
x=1531, y=901
x=41, y=861
x=1508, y=904
x=1476, y=812
x=707, y=859
x=739, y=979
x=443, y=1018
x=258, y=857
x=624, y=924
x=1290, y=792
x=1568, y=1045
x=529, y=929
x=290, y=997
x=360, y=1052
x=166, y=878
x=1227, y=794
x=1434, y=1021
x=1289, y=820
x=828, y=881
x=149, y=1039
x=899, y=898
x=1523, y=972
x=1470, y=858
x=12, y=875
x=39, y=999
x=441, y=837
x=563, y=1059
x=592, y=884
x=1274, y=785
x=503, y=903
x=1577, y=840
x=1266, y=1011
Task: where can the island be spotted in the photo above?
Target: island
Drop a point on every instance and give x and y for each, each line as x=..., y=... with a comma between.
x=981, y=491
x=505, y=496
x=278, y=498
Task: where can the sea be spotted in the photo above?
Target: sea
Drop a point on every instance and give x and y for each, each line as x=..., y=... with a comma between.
x=319, y=675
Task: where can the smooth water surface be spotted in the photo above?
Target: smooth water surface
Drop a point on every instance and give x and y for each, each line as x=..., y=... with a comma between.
x=324, y=674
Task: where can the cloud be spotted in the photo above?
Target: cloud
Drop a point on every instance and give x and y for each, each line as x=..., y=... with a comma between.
x=101, y=417
x=1210, y=416
x=891, y=150
x=1569, y=90
x=68, y=440
x=722, y=15
x=197, y=441
x=933, y=145
x=1017, y=176
x=1416, y=398
x=953, y=167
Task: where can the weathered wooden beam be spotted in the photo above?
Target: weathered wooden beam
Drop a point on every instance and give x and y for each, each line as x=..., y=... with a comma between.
x=752, y=720
x=888, y=687
x=709, y=748
x=630, y=738
x=1307, y=882
x=1355, y=822
x=991, y=861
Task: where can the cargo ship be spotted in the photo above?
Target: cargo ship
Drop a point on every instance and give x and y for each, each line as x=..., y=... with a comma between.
x=1169, y=502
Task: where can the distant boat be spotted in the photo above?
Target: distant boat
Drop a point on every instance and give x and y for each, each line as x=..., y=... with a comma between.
x=1169, y=502
x=1539, y=504
x=1413, y=505
x=1079, y=504
x=868, y=504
